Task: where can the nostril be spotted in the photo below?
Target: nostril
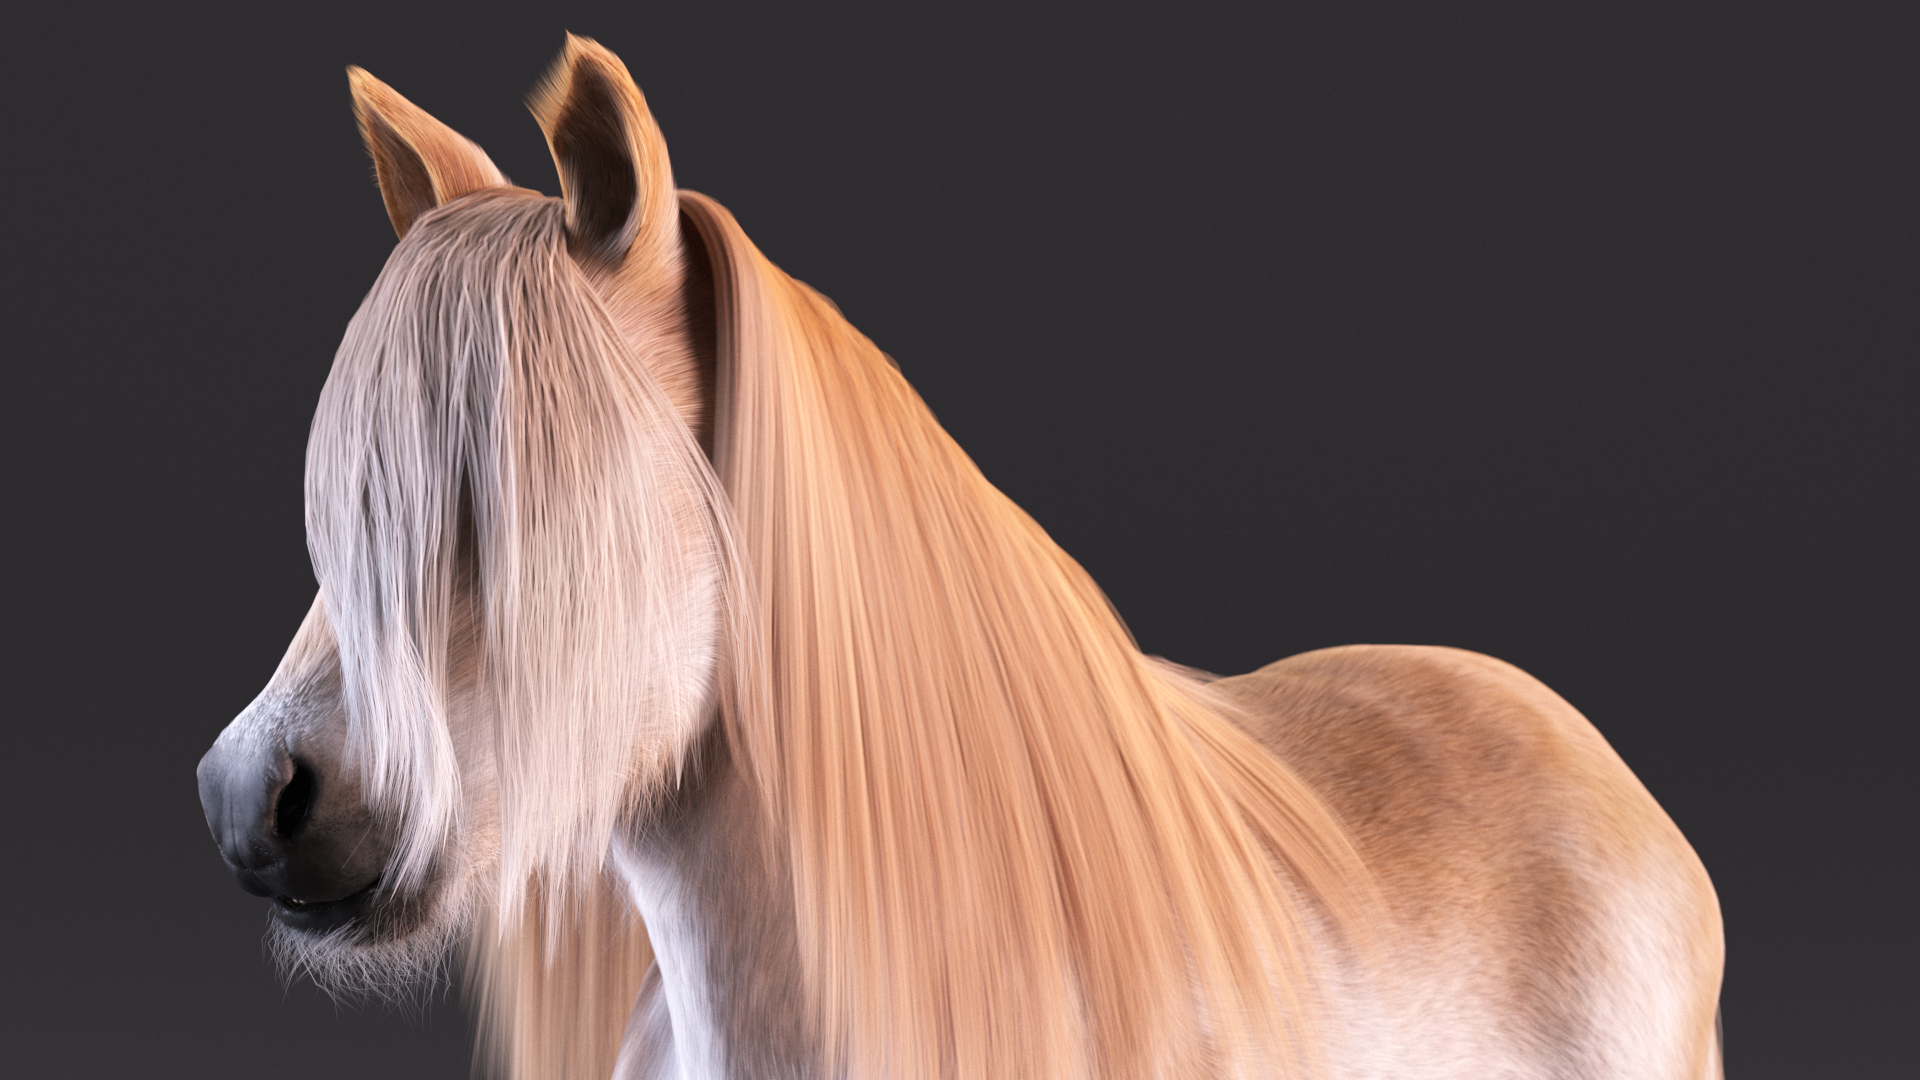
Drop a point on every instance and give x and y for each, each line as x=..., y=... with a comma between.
x=295, y=805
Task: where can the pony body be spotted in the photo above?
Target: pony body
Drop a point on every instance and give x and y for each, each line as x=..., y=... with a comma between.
x=648, y=584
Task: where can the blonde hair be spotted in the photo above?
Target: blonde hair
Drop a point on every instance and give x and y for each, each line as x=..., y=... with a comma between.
x=1019, y=846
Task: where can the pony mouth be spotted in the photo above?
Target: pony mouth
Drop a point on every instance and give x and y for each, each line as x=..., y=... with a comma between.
x=323, y=915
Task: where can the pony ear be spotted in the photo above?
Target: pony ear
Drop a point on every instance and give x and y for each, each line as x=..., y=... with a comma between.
x=421, y=162
x=612, y=160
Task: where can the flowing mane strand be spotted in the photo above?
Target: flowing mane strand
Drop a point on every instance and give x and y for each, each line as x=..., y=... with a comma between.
x=1020, y=847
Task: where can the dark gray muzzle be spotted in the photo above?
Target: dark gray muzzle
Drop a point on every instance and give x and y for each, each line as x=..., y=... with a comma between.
x=290, y=828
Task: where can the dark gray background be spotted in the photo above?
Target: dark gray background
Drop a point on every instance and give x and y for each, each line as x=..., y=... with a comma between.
x=1582, y=339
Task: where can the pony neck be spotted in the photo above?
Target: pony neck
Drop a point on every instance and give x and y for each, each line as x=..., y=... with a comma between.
x=714, y=886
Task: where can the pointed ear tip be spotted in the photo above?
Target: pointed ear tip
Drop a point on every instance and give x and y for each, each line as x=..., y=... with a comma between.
x=581, y=49
x=364, y=89
x=580, y=43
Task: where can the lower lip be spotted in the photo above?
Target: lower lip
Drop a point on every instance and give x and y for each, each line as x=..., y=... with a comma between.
x=322, y=914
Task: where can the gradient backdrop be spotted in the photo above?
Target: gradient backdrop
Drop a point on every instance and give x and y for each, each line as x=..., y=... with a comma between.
x=1583, y=340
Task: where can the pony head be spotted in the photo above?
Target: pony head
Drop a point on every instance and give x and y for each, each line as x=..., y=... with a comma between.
x=520, y=546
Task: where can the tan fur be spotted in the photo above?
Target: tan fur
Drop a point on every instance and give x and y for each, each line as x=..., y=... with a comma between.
x=1501, y=827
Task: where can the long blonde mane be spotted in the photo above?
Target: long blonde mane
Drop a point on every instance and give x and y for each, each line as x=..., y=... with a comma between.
x=1020, y=847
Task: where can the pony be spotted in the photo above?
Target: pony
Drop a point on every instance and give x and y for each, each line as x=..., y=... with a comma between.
x=672, y=667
